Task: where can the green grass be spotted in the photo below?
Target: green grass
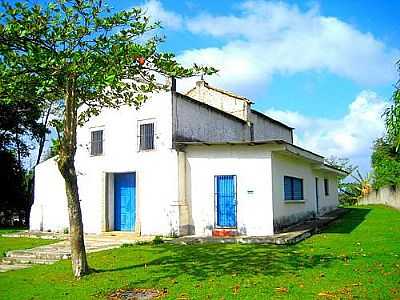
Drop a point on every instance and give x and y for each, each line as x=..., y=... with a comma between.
x=7, y=244
x=358, y=256
x=10, y=230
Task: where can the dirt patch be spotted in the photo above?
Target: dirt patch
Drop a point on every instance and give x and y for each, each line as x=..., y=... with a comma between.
x=137, y=294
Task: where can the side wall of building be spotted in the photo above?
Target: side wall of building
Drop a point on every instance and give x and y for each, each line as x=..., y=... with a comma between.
x=252, y=167
x=266, y=129
x=195, y=121
x=329, y=202
x=289, y=212
x=49, y=210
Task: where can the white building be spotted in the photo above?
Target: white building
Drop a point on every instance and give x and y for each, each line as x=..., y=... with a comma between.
x=187, y=164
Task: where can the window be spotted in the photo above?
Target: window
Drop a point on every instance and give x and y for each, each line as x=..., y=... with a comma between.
x=96, y=147
x=326, y=187
x=146, y=136
x=293, y=188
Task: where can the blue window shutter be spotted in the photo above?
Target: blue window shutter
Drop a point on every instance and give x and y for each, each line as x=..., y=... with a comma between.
x=288, y=188
x=297, y=189
x=293, y=188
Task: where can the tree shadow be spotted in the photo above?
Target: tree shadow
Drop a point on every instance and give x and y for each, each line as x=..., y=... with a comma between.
x=204, y=261
x=213, y=260
x=352, y=218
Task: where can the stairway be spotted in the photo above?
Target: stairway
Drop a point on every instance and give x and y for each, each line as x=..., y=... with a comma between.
x=19, y=259
x=49, y=254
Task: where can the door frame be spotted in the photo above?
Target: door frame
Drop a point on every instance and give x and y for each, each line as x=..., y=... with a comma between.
x=216, y=203
x=113, y=200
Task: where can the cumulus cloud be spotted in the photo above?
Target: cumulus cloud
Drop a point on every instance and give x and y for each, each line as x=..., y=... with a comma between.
x=156, y=11
x=350, y=136
x=266, y=38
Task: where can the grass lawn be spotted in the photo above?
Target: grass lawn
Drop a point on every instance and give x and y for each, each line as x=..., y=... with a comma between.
x=358, y=257
x=7, y=244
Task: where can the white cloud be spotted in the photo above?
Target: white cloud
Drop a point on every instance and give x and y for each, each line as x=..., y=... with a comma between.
x=157, y=12
x=266, y=38
x=350, y=136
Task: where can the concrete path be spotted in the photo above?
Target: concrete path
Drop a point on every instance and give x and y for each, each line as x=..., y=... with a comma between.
x=49, y=254
x=287, y=236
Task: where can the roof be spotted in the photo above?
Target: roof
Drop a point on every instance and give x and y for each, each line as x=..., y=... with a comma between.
x=270, y=119
x=296, y=150
x=220, y=91
x=335, y=168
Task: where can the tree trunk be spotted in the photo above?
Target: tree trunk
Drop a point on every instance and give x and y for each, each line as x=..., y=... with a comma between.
x=66, y=166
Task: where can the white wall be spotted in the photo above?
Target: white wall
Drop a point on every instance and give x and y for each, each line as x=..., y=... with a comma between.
x=329, y=202
x=50, y=210
x=288, y=212
x=195, y=121
x=222, y=100
x=251, y=165
x=266, y=129
x=156, y=170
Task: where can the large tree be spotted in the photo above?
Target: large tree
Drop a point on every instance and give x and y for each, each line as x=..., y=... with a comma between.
x=92, y=58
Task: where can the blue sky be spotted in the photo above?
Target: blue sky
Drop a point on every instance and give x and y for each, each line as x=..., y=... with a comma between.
x=325, y=67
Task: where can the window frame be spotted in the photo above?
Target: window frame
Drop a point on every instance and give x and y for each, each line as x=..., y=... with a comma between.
x=99, y=142
x=292, y=184
x=326, y=187
x=139, y=136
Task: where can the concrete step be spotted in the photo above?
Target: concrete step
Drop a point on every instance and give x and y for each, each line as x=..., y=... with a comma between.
x=12, y=267
x=27, y=260
x=38, y=254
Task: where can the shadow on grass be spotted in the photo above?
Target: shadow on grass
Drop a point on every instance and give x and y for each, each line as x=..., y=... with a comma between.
x=213, y=260
x=349, y=221
x=205, y=261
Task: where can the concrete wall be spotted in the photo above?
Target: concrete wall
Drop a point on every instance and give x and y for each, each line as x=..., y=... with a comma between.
x=388, y=195
x=266, y=129
x=218, y=99
x=195, y=121
x=156, y=170
x=50, y=210
x=251, y=165
x=289, y=212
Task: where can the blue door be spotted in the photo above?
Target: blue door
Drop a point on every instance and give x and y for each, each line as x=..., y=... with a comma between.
x=124, y=201
x=225, y=198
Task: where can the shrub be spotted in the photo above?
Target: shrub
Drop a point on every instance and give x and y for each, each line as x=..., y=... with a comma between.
x=158, y=240
x=385, y=164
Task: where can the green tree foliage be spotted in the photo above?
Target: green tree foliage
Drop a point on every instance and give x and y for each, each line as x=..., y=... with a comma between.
x=393, y=118
x=92, y=58
x=352, y=186
x=386, y=153
x=13, y=189
x=386, y=164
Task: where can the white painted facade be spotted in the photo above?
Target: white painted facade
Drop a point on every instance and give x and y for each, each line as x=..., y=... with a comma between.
x=252, y=168
x=175, y=191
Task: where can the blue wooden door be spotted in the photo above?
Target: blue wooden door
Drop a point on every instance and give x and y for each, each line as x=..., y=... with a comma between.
x=225, y=198
x=124, y=201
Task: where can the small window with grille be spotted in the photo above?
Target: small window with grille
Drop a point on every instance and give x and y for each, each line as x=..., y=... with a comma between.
x=96, y=143
x=146, y=138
